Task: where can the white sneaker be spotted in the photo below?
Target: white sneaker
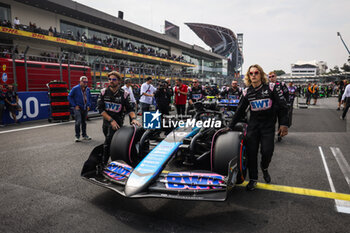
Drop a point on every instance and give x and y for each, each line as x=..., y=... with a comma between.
x=86, y=138
x=77, y=139
x=341, y=118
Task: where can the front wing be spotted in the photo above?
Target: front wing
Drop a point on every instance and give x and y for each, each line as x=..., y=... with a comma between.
x=187, y=185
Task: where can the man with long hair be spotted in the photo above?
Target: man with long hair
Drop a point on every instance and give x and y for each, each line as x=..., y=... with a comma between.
x=262, y=99
x=111, y=103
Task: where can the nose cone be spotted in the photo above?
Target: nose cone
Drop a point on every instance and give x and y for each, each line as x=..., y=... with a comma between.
x=131, y=190
x=135, y=184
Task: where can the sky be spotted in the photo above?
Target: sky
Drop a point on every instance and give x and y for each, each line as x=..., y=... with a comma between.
x=276, y=33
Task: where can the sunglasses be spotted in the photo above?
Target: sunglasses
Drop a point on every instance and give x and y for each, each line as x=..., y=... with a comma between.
x=112, y=79
x=194, y=82
x=272, y=76
x=254, y=73
x=85, y=81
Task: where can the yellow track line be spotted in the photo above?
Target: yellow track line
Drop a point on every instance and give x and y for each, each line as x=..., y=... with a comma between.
x=298, y=191
x=301, y=191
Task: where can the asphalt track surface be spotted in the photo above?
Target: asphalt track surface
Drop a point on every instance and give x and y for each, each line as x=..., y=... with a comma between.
x=41, y=189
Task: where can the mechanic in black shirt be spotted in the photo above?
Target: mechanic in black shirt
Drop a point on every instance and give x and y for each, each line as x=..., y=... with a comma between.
x=111, y=104
x=265, y=102
x=283, y=87
x=196, y=93
x=234, y=92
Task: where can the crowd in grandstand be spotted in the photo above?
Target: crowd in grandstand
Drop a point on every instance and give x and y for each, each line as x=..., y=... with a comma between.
x=111, y=42
x=106, y=65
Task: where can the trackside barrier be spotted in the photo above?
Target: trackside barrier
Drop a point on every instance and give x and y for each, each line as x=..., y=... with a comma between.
x=35, y=106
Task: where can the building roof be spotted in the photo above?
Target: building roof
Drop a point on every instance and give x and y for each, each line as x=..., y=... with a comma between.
x=90, y=15
x=313, y=63
x=222, y=40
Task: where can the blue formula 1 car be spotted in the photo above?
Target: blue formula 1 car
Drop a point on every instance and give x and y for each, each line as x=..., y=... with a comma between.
x=190, y=162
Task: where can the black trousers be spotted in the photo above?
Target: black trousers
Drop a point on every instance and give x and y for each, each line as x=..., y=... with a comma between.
x=290, y=112
x=181, y=109
x=108, y=131
x=308, y=97
x=163, y=108
x=263, y=137
x=346, y=107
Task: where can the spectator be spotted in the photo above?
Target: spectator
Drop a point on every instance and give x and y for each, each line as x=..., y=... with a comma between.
x=308, y=93
x=146, y=92
x=136, y=90
x=346, y=99
x=163, y=98
x=2, y=105
x=180, y=91
x=168, y=81
x=315, y=90
x=341, y=89
x=16, y=23
x=11, y=100
x=50, y=31
x=127, y=88
x=80, y=98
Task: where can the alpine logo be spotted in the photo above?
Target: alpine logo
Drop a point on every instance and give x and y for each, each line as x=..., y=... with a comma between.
x=263, y=104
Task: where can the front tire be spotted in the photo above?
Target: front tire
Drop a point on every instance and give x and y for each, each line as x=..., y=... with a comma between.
x=123, y=145
x=226, y=148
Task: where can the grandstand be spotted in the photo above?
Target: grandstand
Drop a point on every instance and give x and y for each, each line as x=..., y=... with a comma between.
x=222, y=41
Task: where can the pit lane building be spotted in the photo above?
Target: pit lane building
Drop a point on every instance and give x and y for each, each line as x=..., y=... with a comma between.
x=308, y=68
x=69, y=31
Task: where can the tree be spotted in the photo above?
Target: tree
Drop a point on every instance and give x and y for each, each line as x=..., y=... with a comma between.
x=345, y=67
x=335, y=70
x=279, y=72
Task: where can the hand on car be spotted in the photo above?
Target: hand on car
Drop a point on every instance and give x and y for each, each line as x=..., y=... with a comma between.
x=135, y=122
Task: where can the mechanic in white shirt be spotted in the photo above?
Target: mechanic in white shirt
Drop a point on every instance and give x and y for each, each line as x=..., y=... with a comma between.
x=346, y=98
x=146, y=92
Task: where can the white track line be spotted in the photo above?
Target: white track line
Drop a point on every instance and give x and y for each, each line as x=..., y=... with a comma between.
x=343, y=164
x=34, y=127
x=341, y=206
x=345, y=168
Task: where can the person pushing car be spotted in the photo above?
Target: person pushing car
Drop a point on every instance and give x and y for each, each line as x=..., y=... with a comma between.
x=111, y=103
x=266, y=102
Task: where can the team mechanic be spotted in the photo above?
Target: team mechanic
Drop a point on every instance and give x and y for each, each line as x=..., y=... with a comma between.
x=285, y=92
x=266, y=102
x=195, y=94
x=234, y=92
x=111, y=104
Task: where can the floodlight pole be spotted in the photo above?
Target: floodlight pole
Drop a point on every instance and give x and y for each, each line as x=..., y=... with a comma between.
x=338, y=34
